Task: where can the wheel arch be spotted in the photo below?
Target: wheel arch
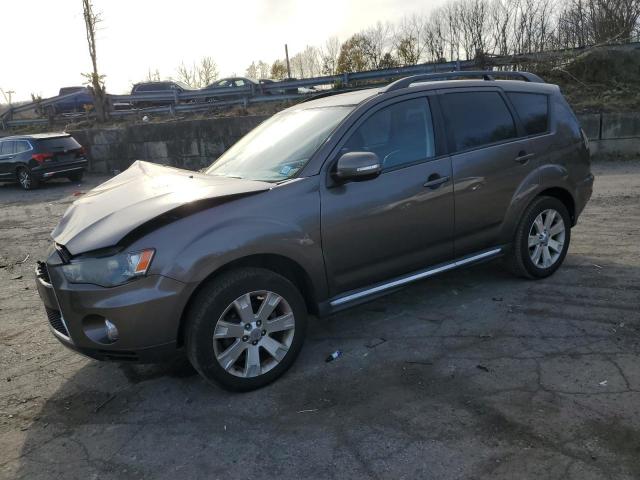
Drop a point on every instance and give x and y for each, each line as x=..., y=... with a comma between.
x=285, y=266
x=565, y=197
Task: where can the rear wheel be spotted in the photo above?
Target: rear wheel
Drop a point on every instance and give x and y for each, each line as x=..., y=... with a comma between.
x=542, y=239
x=246, y=328
x=26, y=179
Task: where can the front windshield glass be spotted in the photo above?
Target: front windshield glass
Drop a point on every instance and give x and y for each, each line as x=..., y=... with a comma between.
x=278, y=148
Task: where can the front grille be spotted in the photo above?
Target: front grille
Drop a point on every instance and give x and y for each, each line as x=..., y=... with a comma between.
x=43, y=272
x=55, y=319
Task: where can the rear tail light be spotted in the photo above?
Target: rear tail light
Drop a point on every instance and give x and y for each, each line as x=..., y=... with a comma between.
x=81, y=152
x=42, y=157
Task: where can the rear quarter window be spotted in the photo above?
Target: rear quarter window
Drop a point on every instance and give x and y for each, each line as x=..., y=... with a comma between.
x=566, y=123
x=474, y=119
x=533, y=110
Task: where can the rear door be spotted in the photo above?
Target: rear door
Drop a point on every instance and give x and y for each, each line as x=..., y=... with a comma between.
x=490, y=159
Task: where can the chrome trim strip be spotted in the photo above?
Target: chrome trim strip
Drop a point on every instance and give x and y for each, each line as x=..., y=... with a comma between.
x=414, y=277
x=48, y=174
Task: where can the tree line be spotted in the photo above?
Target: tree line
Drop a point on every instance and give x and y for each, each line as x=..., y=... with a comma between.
x=464, y=30
x=457, y=30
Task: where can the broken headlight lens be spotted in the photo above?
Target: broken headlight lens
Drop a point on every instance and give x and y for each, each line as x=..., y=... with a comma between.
x=109, y=271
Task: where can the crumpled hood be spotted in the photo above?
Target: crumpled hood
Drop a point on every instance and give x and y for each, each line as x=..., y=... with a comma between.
x=104, y=215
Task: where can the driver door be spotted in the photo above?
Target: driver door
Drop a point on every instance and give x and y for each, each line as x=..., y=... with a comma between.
x=400, y=221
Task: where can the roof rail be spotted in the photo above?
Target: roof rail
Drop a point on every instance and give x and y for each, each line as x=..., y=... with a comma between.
x=485, y=74
x=330, y=93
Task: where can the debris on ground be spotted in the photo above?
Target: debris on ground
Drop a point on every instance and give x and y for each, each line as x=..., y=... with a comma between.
x=603, y=383
x=482, y=367
x=335, y=355
x=418, y=362
x=16, y=277
x=497, y=299
x=310, y=410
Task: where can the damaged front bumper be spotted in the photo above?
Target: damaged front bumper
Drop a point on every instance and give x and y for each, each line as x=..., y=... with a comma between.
x=145, y=313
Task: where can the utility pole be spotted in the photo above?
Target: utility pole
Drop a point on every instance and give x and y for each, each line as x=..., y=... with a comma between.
x=286, y=54
x=7, y=95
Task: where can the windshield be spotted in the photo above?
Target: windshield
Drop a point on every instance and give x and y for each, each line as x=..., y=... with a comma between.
x=278, y=148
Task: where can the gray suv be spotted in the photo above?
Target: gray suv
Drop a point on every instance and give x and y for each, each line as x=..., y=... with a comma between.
x=328, y=204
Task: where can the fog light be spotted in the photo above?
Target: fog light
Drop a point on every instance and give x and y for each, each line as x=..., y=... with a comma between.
x=112, y=330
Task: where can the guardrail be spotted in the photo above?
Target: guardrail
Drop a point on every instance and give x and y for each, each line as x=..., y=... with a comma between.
x=205, y=99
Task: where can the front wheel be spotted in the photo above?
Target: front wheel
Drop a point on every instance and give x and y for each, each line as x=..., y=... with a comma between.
x=542, y=239
x=245, y=328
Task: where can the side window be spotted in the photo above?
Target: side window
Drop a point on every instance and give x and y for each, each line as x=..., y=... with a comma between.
x=477, y=118
x=399, y=134
x=239, y=83
x=533, y=110
x=8, y=147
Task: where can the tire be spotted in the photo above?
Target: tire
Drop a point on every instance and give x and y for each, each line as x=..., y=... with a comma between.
x=225, y=360
x=26, y=179
x=549, y=241
x=76, y=176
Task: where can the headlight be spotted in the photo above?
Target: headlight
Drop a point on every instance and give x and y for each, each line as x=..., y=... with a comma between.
x=109, y=271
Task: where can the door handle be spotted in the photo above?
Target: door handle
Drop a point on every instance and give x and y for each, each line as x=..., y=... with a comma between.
x=524, y=157
x=435, y=180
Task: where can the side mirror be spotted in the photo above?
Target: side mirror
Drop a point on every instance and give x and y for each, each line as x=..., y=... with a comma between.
x=358, y=166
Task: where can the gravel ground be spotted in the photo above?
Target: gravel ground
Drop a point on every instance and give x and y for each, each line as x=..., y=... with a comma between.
x=473, y=374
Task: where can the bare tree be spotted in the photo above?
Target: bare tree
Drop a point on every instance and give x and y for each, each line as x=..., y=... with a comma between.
x=473, y=26
x=91, y=20
x=409, y=39
x=435, y=42
x=329, y=56
x=451, y=14
x=377, y=45
x=152, y=75
x=306, y=63
x=500, y=16
x=199, y=75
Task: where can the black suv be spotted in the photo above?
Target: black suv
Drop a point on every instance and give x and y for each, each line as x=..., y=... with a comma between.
x=30, y=159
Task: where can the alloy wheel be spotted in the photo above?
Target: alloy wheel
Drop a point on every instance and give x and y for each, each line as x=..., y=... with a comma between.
x=24, y=178
x=546, y=238
x=254, y=334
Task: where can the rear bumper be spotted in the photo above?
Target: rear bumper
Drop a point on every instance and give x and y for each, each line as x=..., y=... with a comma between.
x=146, y=313
x=52, y=171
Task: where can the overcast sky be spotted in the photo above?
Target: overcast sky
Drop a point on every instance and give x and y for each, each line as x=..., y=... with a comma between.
x=44, y=46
